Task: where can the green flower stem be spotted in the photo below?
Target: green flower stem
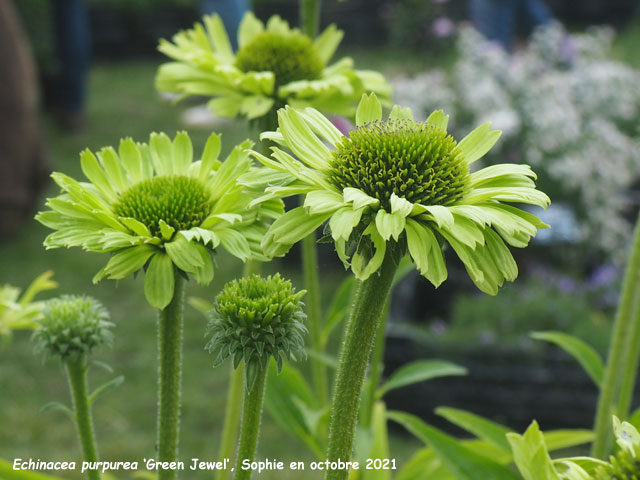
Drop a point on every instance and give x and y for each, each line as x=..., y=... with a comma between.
x=630, y=369
x=356, y=349
x=77, y=371
x=376, y=369
x=251, y=414
x=310, y=17
x=231, y=419
x=312, y=285
x=170, y=324
x=619, y=355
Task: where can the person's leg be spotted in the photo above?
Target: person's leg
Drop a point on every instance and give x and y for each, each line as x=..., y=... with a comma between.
x=533, y=13
x=495, y=19
x=72, y=32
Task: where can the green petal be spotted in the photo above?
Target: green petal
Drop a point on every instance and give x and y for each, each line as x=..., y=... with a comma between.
x=278, y=25
x=327, y=42
x=362, y=267
x=210, y=155
x=219, y=38
x=182, y=153
x=323, y=201
x=294, y=225
x=125, y=262
x=322, y=126
x=501, y=255
x=255, y=106
x=441, y=215
x=159, y=281
x=161, y=153
x=425, y=251
x=234, y=243
x=249, y=27
x=369, y=110
x=135, y=226
x=477, y=143
x=466, y=231
x=96, y=175
x=203, y=274
x=488, y=173
x=131, y=159
x=226, y=106
x=513, y=194
x=302, y=141
x=207, y=237
x=389, y=225
x=111, y=164
x=400, y=206
x=166, y=230
x=359, y=198
x=184, y=254
x=438, y=119
x=235, y=164
x=400, y=113
x=344, y=221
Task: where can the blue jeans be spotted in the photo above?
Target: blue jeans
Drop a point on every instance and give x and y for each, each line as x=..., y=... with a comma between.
x=231, y=12
x=501, y=20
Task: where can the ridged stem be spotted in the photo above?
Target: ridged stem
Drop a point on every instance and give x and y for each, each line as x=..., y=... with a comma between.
x=314, y=316
x=356, y=348
x=77, y=372
x=170, y=326
x=250, y=430
x=231, y=419
x=310, y=17
x=619, y=359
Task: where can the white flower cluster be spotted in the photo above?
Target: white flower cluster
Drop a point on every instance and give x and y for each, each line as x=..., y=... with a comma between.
x=564, y=107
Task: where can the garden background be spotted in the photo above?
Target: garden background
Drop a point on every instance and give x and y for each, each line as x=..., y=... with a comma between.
x=568, y=281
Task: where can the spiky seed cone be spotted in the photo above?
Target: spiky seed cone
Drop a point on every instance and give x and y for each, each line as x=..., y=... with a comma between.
x=289, y=56
x=181, y=202
x=72, y=326
x=254, y=319
x=415, y=160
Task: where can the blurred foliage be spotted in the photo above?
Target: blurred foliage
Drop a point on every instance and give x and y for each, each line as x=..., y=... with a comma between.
x=528, y=305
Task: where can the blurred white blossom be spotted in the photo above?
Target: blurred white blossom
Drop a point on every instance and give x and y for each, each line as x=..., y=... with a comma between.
x=564, y=107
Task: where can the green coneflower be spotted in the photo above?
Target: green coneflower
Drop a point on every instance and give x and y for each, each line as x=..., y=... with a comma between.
x=393, y=187
x=155, y=209
x=254, y=320
x=274, y=65
x=70, y=328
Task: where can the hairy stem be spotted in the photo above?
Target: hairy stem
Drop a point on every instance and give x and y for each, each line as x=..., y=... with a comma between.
x=359, y=339
x=377, y=367
x=251, y=415
x=314, y=320
x=310, y=17
x=77, y=371
x=620, y=364
x=231, y=419
x=170, y=323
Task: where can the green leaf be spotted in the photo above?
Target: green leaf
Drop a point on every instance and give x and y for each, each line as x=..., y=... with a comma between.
x=339, y=308
x=420, y=371
x=480, y=427
x=159, y=281
x=58, y=407
x=369, y=110
x=561, y=439
x=280, y=402
x=424, y=465
x=8, y=473
x=585, y=355
x=103, y=365
x=461, y=461
x=105, y=388
x=531, y=456
x=477, y=143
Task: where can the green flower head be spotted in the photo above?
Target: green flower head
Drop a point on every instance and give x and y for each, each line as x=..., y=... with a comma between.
x=255, y=319
x=625, y=464
x=72, y=326
x=397, y=186
x=274, y=65
x=153, y=208
x=18, y=312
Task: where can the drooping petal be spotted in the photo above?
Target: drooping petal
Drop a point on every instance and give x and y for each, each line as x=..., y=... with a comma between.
x=159, y=281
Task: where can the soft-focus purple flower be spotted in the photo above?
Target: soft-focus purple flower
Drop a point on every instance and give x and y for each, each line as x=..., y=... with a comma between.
x=438, y=327
x=342, y=124
x=443, y=27
x=603, y=276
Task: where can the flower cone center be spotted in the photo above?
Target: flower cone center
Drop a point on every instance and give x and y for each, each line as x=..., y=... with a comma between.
x=414, y=160
x=181, y=202
x=290, y=57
